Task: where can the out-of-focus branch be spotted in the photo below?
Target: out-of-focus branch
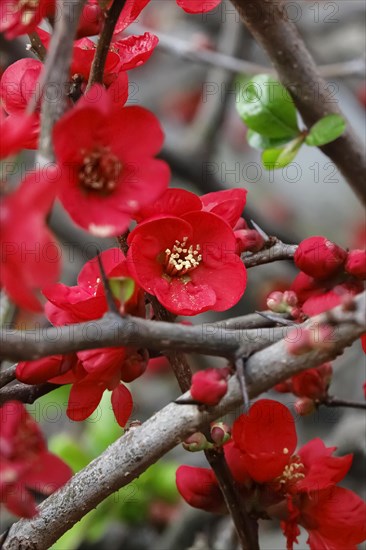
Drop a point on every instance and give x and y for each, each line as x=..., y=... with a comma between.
x=188, y=50
x=270, y=26
x=56, y=72
x=331, y=401
x=142, y=446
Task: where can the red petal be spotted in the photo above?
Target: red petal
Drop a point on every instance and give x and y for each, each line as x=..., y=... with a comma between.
x=173, y=202
x=198, y=6
x=122, y=404
x=267, y=437
x=129, y=14
x=134, y=51
x=323, y=470
x=198, y=487
x=84, y=399
x=48, y=474
x=228, y=204
x=335, y=519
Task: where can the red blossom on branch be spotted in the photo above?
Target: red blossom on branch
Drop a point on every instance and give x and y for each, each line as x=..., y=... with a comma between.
x=297, y=488
x=26, y=464
x=188, y=263
x=108, y=172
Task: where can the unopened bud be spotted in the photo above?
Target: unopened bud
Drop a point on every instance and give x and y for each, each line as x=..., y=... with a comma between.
x=196, y=442
x=304, y=406
x=220, y=433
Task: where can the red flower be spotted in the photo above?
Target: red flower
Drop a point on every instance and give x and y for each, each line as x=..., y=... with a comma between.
x=209, y=386
x=299, y=489
x=17, y=17
x=108, y=169
x=356, y=263
x=319, y=258
x=26, y=463
x=25, y=239
x=99, y=369
x=188, y=263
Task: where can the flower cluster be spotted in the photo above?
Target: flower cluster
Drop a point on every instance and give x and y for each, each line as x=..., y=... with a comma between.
x=297, y=487
x=92, y=372
x=26, y=465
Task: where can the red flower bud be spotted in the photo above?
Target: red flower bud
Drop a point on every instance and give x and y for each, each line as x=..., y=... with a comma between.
x=209, y=386
x=276, y=303
x=220, y=433
x=304, y=406
x=289, y=296
x=248, y=240
x=305, y=287
x=199, y=487
x=319, y=257
x=356, y=263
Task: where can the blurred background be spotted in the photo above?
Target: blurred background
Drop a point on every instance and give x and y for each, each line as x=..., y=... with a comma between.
x=192, y=90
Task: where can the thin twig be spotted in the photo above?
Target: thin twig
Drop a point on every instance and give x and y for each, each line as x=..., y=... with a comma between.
x=188, y=50
x=331, y=401
x=104, y=42
x=278, y=251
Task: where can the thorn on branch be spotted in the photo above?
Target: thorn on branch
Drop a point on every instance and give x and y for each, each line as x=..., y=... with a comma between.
x=276, y=318
x=107, y=288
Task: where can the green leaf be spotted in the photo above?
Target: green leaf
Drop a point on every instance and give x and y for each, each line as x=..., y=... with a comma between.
x=257, y=141
x=327, y=129
x=267, y=108
x=279, y=158
x=122, y=288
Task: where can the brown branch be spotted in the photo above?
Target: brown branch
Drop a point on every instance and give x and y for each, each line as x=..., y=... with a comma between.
x=258, y=319
x=25, y=393
x=267, y=22
x=278, y=251
x=7, y=375
x=142, y=446
x=104, y=42
x=331, y=401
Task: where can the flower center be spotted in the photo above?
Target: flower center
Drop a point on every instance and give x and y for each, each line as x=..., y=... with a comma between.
x=293, y=472
x=182, y=258
x=99, y=171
